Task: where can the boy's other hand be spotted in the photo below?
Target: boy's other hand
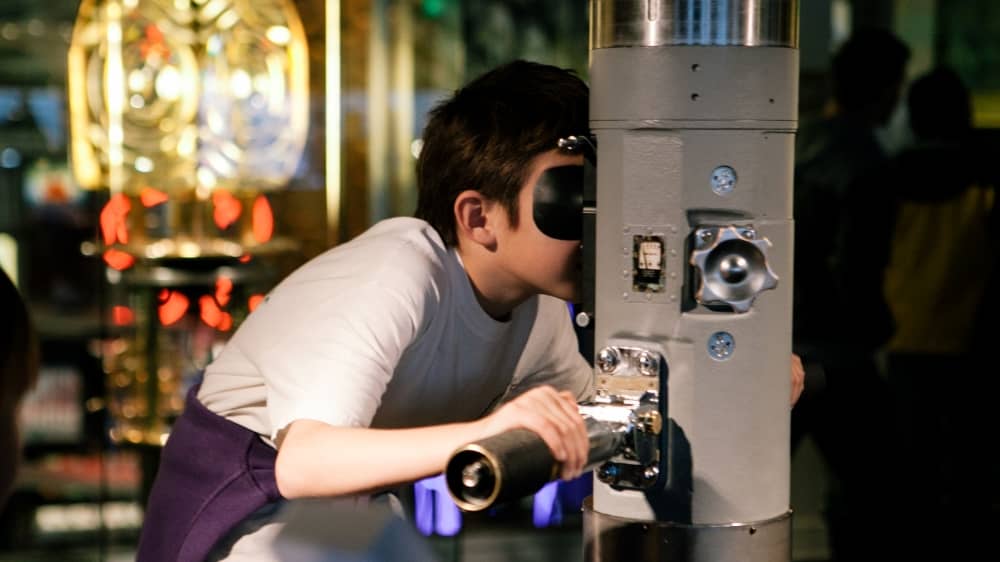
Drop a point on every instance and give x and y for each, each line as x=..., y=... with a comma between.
x=798, y=378
x=554, y=416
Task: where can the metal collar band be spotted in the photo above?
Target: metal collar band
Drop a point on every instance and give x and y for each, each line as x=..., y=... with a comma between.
x=654, y=23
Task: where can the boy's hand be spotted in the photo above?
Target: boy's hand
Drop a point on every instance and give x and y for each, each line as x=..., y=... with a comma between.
x=798, y=378
x=554, y=416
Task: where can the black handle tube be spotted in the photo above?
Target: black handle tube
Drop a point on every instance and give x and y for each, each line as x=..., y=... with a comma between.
x=499, y=468
x=515, y=464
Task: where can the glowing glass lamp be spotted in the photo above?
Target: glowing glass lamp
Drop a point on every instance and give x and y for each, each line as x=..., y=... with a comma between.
x=188, y=112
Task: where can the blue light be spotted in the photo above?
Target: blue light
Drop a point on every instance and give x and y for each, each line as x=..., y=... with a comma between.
x=545, y=508
x=10, y=158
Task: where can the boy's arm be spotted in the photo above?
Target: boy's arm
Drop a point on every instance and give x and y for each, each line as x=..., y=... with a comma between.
x=318, y=459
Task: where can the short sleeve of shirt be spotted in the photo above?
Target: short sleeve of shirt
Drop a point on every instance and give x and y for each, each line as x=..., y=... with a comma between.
x=335, y=362
x=326, y=342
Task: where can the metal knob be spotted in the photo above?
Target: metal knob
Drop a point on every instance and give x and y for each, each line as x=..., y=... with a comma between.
x=732, y=266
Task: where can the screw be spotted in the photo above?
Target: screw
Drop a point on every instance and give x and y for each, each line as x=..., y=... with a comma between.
x=723, y=180
x=647, y=364
x=720, y=345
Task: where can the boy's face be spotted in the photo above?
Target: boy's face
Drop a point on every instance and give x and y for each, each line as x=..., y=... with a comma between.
x=540, y=263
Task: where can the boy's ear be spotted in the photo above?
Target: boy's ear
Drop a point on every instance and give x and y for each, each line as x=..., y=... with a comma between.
x=473, y=220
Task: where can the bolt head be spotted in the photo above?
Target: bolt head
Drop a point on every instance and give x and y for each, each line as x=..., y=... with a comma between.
x=646, y=364
x=607, y=359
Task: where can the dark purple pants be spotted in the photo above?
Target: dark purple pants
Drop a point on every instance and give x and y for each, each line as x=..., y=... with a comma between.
x=213, y=474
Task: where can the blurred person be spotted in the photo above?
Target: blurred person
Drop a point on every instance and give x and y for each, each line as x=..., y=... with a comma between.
x=940, y=261
x=843, y=220
x=18, y=372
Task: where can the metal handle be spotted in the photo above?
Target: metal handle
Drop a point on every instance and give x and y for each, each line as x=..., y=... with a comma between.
x=516, y=464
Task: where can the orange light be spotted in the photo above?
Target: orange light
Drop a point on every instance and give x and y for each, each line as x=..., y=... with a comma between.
x=214, y=316
x=113, y=215
x=225, y=322
x=255, y=301
x=263, y=220
x=245, y=258
x=117, y=259
x=223, y=288
x=173, y=305
x=227, y=208
x=211, y=314
x=122, y=316
x=151, y=197
x=154, y=43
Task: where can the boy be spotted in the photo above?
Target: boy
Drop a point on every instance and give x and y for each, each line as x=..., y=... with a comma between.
x=372, y=363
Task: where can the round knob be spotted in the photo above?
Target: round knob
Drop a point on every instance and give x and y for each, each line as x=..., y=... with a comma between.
x=734, y=268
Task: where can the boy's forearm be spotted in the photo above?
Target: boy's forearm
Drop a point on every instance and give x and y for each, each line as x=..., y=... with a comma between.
x=317, y=459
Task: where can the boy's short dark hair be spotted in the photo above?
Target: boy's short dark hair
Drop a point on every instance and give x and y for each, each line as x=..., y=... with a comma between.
x=486, y=135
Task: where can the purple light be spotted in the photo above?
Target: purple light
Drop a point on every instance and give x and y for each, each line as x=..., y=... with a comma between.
x=545, y=508
x=434, y=510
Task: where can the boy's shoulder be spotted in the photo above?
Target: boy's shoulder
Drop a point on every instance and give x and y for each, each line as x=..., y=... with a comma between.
x=394, y=252
x=396, y=243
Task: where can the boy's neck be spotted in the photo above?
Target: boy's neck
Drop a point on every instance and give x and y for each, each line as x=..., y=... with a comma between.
x=496, y=294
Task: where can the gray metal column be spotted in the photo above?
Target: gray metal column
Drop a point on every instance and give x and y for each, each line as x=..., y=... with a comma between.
x=693, y=106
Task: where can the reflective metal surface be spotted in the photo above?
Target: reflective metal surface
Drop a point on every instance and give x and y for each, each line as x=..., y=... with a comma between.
x=732, y=266
x=610, y=539
x=650, y=23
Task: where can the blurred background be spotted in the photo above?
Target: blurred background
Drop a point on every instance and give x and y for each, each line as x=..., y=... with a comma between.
x=141, y=236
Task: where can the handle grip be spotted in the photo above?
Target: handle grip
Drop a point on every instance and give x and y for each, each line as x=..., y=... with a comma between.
x=499, y=468
x=518, y=463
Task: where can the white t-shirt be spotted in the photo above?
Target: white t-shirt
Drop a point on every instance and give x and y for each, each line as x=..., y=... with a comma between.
x=386, y=332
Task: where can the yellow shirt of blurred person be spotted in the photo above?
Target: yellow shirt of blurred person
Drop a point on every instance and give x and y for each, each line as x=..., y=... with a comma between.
x=938, y=269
